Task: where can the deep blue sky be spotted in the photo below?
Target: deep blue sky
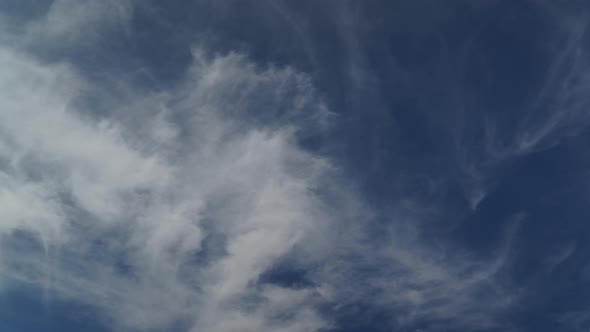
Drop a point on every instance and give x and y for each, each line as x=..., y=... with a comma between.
x=459, y=129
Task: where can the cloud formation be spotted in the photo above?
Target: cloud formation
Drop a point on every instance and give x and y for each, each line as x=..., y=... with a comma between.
x=171, y=208
x=172, y=217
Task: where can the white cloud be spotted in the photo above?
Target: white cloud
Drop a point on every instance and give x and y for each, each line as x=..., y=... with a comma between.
x=125, y=205
x=76, y=179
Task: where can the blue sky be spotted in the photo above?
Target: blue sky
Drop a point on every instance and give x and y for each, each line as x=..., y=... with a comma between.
x=330, y=166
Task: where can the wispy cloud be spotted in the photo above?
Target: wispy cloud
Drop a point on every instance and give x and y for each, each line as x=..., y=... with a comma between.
x=170, y=208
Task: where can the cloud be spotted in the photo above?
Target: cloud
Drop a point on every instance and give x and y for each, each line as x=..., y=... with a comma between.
x=418, y=284
x=486, y=139
x=169, y=208
x=76, y=22
x=122, y=209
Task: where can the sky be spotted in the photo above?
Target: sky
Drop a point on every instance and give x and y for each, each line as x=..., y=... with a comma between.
x=294, y=165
